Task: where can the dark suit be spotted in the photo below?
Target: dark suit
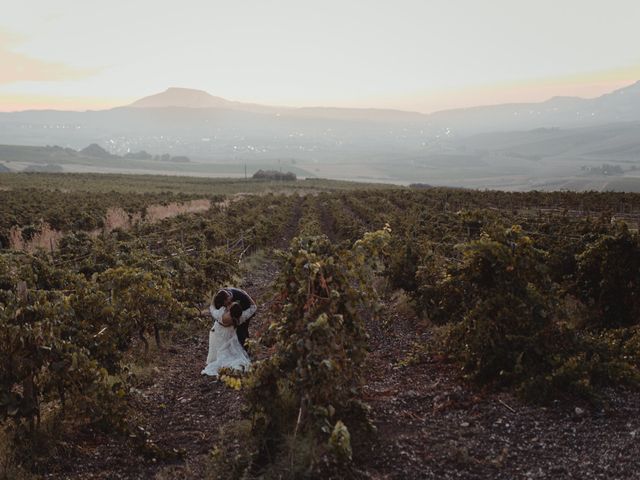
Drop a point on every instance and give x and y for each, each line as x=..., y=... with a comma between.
x=240, y=296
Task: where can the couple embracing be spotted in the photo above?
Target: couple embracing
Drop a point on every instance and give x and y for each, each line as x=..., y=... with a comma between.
x=232, y=310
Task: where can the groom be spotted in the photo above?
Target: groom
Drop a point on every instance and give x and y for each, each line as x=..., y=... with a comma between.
x=227, y=296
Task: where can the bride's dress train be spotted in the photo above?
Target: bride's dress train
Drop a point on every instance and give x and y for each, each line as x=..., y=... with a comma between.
x=225, y=351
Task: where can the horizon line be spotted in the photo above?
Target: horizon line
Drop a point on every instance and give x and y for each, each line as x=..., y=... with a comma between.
x=103, y=105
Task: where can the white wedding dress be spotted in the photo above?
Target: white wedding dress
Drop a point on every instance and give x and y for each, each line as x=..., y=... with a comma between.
x=225, y=351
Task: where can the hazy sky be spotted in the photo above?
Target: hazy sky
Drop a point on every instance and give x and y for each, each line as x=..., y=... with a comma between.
x=408, y=54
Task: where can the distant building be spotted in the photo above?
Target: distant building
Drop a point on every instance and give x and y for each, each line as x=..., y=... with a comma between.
x=274, y=175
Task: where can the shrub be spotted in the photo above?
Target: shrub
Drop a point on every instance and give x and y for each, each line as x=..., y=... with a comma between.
x=308, y=388
x=608, y=280
x=506, y=317
x=143, y=302
x=36, y=360
x=513, y=332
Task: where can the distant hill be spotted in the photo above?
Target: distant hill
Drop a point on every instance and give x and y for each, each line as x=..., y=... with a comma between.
x=621, y=105
x=190, y=98
x=97, y=159
x=193, y=117
x=610, y=142
x=568, y=112
x=501, y=146
x=182, y=97
x=95, y=150
x=50, y=158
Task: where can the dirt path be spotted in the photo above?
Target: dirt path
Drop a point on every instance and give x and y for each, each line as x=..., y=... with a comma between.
x=326, y=220
x=432, y=425
x=291, y=228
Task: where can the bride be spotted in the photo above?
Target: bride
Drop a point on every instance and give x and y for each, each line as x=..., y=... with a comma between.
x=225, y=350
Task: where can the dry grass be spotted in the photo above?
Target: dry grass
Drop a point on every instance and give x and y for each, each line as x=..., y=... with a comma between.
x=46, y=238
x=155, y=213
x=116, y=218
x=16, y=241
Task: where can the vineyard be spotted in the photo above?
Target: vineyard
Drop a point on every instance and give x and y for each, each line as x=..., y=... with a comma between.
x=401, y=333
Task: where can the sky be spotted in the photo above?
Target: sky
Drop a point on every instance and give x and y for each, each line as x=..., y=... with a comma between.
x=419, y=55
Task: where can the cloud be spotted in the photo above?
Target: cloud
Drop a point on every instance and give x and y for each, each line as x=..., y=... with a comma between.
x=19, y=67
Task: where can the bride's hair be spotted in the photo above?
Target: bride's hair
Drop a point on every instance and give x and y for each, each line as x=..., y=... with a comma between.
x=235, y=310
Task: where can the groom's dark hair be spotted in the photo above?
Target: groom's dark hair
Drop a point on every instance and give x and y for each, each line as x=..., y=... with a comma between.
x=220, y=298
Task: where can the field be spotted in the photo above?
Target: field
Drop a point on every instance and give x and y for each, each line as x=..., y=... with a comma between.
x=95, y=182
x=512, y=161
x=401, y=333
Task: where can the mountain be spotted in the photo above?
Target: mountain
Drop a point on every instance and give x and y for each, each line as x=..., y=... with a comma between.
x=210, y=129
x=624, y=102
x=216, y=133
x=180, y=110
x=182, y=97
x=621, y=105
x=610, y=142
x=190, y=98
